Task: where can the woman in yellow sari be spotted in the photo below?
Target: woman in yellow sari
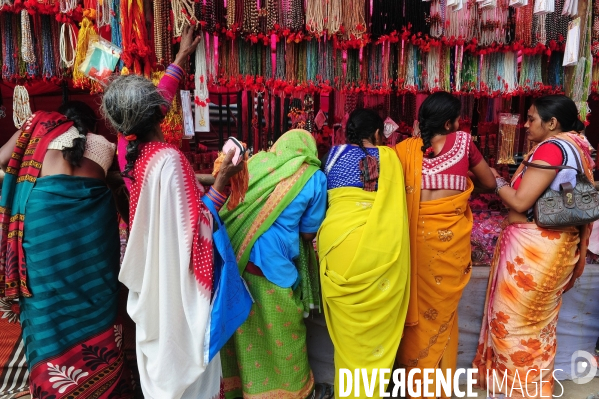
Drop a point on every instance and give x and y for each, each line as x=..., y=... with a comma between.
x=532, y=266
x=437, y=190
x=363, y=248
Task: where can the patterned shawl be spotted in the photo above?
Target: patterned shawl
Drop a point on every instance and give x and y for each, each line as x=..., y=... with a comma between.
x=276, y=177
x=21, y=174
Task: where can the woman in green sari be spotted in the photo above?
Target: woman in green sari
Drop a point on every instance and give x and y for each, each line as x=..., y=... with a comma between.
x=271, y=232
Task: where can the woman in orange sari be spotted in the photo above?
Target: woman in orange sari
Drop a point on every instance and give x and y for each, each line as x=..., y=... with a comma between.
x=437, y=190
x=532, y=266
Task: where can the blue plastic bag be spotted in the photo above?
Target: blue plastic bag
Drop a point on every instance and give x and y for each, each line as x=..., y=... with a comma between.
x=232, y=301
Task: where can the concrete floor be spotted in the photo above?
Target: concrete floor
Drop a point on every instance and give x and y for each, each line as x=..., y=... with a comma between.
x=571, y=390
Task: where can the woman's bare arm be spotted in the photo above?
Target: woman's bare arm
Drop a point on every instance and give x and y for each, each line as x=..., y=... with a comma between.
x=7, y=149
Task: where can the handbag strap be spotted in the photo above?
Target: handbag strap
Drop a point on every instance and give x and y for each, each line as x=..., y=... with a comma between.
x=560, y=167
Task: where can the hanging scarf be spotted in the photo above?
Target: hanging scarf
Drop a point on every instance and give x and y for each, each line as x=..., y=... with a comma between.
x=23, y=169
x=276, y=177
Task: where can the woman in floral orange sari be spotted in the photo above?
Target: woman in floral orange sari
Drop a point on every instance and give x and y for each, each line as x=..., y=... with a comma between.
x=532, y=267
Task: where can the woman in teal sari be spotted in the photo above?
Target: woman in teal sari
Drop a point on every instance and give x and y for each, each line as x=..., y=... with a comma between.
x=60, y=255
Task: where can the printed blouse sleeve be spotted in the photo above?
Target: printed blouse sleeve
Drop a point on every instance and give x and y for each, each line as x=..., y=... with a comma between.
x=170, y=82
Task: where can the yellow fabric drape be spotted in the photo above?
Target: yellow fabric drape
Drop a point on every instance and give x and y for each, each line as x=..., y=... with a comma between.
x=440, y=269
x=363, y=247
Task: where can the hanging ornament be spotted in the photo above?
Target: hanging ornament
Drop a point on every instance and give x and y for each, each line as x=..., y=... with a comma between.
x=390, y=127
x=21, y=106
x=103, y=13
x=320, y=120
x=202, y=113
x=68, y=44
x=86, y=35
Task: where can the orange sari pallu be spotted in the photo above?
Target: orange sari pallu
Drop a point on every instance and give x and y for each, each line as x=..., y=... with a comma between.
x=440, y=266
x=530, y=268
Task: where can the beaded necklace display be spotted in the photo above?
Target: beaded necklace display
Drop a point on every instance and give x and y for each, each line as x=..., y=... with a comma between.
x=27, y=49
x=539, y=32
x=280, y=68
x=353, y=66
x=67, y=6
x=103, y=13
x=48, y=63
x=21, y=107
x=162, y=42
x=115, y=27
x=595, y=30
x=555, y=71
x=353, y=18
x=338, y=58
x=302, y=63
x=556, y=24
x=385, y=69
x=530, y=72
x=327, y=63
x=291, y=57
x=467, y=101
x=201, y=81
x=524, y=24
x=244, y=58
x=272, y=14
x=459, y=23
x=510, y=75
x=295, y=15
x=231, y=5
x=315, y=16
x=211, y=60
x=206, y=11
x=433, y=61
x=373, y=69
x=333, y=16
x=55, y=36
x=9, y=61
x=493, y=23
x=219, y=15
x=250, y=16
x=312, y=60
x=436, y=16
x=22, y=65
x=183, y=14
x=459, y=62
x=68, y=44
x=409, y=77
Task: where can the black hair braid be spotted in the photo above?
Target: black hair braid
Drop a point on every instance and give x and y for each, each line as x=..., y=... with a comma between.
x=131, y=157
x=426, y=136
x=435, y=111
x=353, y=135
x=84, y=119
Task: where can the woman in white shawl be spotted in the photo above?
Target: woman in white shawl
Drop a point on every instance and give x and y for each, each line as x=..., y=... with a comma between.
x=168, y=265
